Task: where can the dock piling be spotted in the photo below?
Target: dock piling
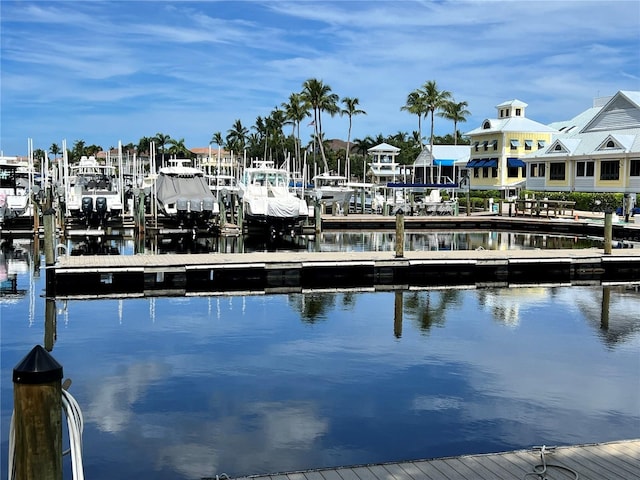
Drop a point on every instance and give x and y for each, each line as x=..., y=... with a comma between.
x=49, y=249
x=608, y=232
x=37, y=397
x=399, y=233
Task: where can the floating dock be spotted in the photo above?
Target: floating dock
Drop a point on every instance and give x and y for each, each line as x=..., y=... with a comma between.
x=294, y=272
x=610, y=461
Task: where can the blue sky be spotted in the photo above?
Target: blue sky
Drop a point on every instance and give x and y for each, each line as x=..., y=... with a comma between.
x=102, y=71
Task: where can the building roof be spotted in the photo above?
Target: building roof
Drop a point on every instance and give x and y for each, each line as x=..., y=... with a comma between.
x=383, y=147
x=510, y=124
x=612, y=127
x=512, y=103
x=454, y=153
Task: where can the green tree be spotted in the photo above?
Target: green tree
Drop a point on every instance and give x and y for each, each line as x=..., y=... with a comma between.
x=296, y=111
x=178, y=148
x=55, y=150
x=415, y=105
x=237, y=136
x=162, y=140
x=350, y=109
x=144, y=145
x=456, y=112
x=435, y=100
x=319, y=97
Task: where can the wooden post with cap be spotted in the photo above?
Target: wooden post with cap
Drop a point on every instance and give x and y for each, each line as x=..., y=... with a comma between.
x=37, y=399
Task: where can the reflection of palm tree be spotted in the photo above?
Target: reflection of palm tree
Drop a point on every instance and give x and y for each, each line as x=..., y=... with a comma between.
x=419, y=305
x=313, y=306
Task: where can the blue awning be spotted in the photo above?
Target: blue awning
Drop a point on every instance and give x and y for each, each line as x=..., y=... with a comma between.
x=472, y=163
x=515, y=162
x=492, y=162
x=444, y=162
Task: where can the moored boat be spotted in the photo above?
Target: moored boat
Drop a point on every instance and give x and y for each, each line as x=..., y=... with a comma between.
x=332, y=190
x=183, y=195
x=93, y=192
x=269, y=206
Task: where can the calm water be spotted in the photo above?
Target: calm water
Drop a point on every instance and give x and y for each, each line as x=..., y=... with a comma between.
x=185, y=388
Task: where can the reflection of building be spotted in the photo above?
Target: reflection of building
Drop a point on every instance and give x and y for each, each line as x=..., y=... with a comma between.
x=596, y=151
x=14, y=260
x=506, y=304
x=498, y=145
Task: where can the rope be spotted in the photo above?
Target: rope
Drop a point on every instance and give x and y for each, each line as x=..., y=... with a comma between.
x=540, y=470
x=75, y=423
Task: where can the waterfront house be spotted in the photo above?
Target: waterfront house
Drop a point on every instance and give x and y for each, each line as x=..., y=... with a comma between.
x=448, y=161
x=596, y=151
x=383, y=167
x=498, y=145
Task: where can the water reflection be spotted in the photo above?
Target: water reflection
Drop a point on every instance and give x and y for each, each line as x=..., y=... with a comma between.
x=190, y=387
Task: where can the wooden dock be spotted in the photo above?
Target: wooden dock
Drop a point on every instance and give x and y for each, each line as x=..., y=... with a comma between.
x=603, y=461
x=294, y=272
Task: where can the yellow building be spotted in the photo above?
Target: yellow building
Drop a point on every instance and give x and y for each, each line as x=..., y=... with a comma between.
x=596, y=151
x=498, y=145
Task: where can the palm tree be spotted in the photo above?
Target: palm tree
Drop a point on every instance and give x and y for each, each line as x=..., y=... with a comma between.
x=178, y=148
x=162, y=141
x=217, y=139
x=319, y=97
x=456, y=112
x=54, y=149
x=296, y=111
x=415, y=105
x=237, y=136
x=144, y=145
x=351, y=109
x=434, y=100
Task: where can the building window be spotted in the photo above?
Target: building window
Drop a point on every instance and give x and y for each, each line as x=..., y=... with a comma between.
x=512, y=172
x=558, y=147
x=486, y=125
x=610, y=170
x=485, y=144
x=476, y=173
x=514, y=144
x=518, y=111
x=556, y=171
x=610, y=144
x=635, y=168
x=485, y=172
x=494, y=172
x=528, y=144
x=542, y=170
x=475, y=146
x=585, y=169
x=541, y=144
x=534, y=169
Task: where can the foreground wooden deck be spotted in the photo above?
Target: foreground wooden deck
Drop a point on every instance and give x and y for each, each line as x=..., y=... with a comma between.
x=604, y=461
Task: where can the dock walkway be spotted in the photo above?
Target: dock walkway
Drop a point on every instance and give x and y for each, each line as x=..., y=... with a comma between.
x=296, y=272
x=603, y=461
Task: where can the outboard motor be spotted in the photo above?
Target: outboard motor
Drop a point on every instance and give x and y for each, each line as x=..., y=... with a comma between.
x=207, y=207
x=182, y=206
x=195, y=205
x=101, y=207
x=87, y=206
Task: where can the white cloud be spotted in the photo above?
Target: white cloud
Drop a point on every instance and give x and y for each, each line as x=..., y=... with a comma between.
x=216, y=62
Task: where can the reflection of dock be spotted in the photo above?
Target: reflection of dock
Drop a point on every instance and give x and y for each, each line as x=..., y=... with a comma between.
x=290, y=272
x=613, y=460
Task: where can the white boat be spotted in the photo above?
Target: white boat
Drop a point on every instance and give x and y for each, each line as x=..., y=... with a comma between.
x=182, y=194
x=332, y=189
x=15, y=188
x=269, y=206
x=93, y=192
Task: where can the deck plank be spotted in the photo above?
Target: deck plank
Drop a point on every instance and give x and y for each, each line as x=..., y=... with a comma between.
x=611, y=461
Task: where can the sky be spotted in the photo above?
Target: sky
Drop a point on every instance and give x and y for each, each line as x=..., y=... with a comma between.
x=110, y=71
